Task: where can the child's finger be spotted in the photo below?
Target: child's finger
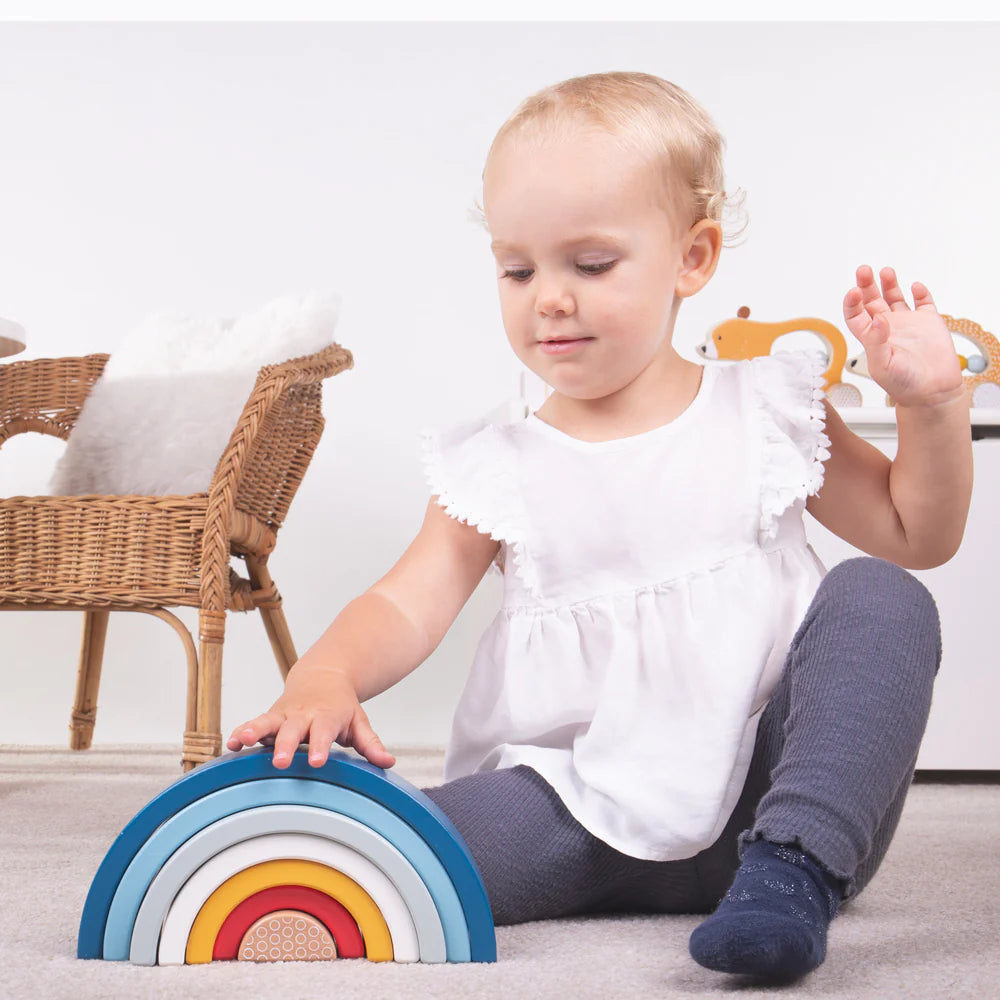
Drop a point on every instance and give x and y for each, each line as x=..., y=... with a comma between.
x=239, y=737
x=922, y=296
x=287, y=739
x=323, y=733
x=374, y=750
x=254, y=731
x=864, y=276
x=891, y=291
x=366, y=741
x=235, y=741
x=855, y=315
x=871, y=294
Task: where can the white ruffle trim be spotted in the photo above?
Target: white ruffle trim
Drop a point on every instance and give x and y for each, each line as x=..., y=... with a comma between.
x=788, y=394
x=468, y=470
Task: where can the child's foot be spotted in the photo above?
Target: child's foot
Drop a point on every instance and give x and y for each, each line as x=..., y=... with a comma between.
x=772, y=922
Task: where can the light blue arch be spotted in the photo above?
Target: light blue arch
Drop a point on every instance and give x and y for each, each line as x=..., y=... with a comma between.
x=196, y=818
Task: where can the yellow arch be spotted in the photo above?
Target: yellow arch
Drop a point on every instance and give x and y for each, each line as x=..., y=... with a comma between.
x=286, y=871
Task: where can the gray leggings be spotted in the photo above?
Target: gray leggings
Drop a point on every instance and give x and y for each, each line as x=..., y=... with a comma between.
x=833, y=761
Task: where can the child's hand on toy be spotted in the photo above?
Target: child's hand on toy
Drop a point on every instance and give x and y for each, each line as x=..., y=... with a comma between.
x=910, y=351
x=319, y=707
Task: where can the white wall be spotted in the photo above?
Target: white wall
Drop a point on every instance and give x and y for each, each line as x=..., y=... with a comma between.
x=211, y=167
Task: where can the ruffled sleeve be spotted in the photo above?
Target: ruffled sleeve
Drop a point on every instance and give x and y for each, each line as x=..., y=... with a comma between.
x=470, y=469
x=788, y=393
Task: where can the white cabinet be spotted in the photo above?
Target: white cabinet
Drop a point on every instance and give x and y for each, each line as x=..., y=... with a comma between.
x=964, y=728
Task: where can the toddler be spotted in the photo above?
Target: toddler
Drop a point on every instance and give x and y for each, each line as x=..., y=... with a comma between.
x=675, y=710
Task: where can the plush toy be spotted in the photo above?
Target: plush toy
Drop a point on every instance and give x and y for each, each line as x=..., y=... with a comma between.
x=736, y=339
x=982, y=379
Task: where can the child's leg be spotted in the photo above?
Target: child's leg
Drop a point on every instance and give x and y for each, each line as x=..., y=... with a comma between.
x=845, y=725
x=539, y=863
x=839, y=741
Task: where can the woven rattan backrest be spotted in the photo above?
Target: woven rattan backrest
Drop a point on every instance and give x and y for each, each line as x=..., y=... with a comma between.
x=45, y=395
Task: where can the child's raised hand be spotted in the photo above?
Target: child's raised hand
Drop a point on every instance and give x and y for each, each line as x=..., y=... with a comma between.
x=319, y=707
x=910, y=352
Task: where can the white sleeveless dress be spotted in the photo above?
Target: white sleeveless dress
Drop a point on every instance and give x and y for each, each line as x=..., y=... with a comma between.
x=652, y=586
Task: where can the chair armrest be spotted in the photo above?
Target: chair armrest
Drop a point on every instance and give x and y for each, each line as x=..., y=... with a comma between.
x=45, y=394
x=267, y=455
x=276, y=435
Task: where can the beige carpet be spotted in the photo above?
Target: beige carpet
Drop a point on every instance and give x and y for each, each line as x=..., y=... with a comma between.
x=927, y=927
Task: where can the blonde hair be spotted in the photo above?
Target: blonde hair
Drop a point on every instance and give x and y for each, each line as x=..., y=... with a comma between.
x=647, y=115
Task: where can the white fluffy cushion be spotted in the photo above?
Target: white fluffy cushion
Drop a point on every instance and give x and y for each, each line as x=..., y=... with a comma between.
x=160, y=416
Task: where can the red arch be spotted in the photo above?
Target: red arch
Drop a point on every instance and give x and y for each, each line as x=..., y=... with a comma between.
x=332, y=914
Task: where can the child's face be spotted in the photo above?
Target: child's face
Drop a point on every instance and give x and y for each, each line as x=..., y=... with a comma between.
x=591, y=260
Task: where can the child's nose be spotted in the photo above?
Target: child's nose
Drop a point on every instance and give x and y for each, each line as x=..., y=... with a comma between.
x=554, y=299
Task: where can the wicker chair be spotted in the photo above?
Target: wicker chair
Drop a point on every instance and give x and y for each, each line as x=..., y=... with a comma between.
x=99, y=554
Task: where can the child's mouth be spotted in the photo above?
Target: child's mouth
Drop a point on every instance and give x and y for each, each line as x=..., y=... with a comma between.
x=563, y=346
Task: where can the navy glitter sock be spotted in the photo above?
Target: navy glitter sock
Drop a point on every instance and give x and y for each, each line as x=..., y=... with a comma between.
x=772, y=922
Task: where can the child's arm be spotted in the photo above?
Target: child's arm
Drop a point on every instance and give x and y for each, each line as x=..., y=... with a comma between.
x=911, y=510
x=374, y=642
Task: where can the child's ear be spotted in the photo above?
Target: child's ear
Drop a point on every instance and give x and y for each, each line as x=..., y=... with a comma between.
x=702, y=246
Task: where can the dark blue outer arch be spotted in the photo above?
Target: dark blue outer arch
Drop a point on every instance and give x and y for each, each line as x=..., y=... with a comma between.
x=342, y=769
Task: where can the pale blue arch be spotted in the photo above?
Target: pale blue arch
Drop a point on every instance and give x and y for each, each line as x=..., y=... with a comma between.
x=195, y=818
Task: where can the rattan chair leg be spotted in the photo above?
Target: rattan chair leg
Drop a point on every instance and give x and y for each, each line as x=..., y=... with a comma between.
x=191, y=704
x=268, y=602
x=280, y=637
x=88, y=680
x=205, y=742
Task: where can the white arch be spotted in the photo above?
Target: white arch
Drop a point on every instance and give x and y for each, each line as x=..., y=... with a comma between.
x=305, y=847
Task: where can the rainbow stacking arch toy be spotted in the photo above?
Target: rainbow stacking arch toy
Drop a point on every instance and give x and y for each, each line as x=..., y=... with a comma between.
x=240, y=860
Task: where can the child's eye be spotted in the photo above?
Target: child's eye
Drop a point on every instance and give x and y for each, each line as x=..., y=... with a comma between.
x=517, y=273
x=599, y=267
